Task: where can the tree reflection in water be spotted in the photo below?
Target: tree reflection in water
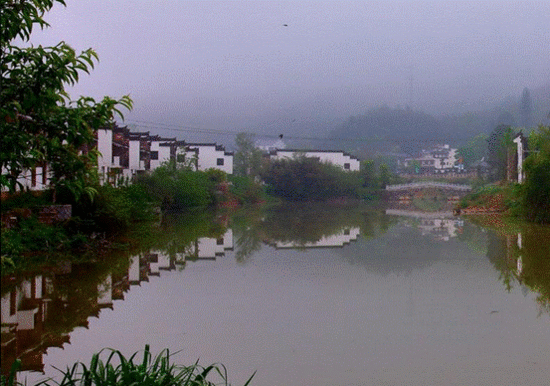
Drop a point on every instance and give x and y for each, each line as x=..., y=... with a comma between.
x=521, y=253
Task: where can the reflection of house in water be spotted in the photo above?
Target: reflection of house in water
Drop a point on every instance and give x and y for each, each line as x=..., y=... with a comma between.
x=209, y=248
x=152, y=263
x=340, y=239
x=441, y=225
x=23, y=313
x=40, y=313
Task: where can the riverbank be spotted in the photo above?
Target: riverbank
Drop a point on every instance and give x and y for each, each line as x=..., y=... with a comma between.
x=490, y=199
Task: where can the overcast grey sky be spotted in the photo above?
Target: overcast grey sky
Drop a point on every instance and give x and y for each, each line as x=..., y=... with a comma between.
x=261, y=65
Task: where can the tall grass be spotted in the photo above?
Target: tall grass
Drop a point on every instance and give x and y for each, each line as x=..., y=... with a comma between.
x=117, y=370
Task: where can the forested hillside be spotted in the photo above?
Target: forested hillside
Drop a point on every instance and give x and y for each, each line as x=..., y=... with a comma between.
x=384, y=130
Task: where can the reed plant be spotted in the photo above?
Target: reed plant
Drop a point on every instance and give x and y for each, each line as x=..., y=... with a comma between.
x=117, y=370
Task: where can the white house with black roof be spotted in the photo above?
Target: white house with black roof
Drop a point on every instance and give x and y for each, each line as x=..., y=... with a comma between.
x=161, y=151
x=339, y=158
x=211, y=156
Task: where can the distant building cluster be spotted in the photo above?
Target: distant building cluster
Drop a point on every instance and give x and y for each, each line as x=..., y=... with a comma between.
x=440, y=159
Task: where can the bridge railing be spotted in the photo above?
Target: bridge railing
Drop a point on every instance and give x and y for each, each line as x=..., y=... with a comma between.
x=420, y=185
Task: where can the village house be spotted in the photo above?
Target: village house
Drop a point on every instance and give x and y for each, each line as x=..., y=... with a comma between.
x=35, y=179
x=437, y=160
x=210, y=156
x=125, y=154
x=338, y=158
x=162, y=151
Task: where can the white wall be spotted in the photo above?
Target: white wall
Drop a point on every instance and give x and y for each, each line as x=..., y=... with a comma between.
x=133, y=153
x=163, y=154
x=208, y=156
x=105, y=148
x=163, y=262
x=209, y=248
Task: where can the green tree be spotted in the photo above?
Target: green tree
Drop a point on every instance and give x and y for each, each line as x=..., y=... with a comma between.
x=178, y=189
x=40, y=124
x=385, y=176
x=536, y=190
x=474, y=150
x=368, y=172
x=248, y=158
x=308, y=179
x=498, y=144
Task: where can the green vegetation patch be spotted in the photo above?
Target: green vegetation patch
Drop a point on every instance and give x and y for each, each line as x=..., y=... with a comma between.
x=110, y=367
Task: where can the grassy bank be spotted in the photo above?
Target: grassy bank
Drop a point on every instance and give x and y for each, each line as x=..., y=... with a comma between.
x=491, y=199
x=507, y=199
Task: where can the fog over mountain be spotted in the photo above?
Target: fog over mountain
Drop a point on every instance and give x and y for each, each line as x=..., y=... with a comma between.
x=302, y=68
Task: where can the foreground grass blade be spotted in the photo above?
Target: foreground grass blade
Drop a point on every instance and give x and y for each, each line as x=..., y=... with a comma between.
x=117, y=370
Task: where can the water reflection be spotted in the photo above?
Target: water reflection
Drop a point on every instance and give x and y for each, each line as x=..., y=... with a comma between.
x=521, y=254
x=306, y=226
x=440, y=225
x=41, y=311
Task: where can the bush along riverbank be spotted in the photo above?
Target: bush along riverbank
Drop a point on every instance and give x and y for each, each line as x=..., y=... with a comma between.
x=111, y=367
x=35, y=231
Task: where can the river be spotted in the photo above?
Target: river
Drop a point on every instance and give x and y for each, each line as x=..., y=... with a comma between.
x=304, y=295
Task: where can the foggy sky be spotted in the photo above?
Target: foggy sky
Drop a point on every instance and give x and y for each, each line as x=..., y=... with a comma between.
x=236, y=66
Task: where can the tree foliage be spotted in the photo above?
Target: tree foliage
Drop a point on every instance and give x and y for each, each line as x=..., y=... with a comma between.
x=303, y=179
x=40, y=124
x=474, y=150
x=182, y=188
x=248, y=158
x=498, y=143
x=368, y=173
x=536, y=190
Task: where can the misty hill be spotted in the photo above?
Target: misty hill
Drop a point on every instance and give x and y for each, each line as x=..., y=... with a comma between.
x=386, y=130
x=467, y=125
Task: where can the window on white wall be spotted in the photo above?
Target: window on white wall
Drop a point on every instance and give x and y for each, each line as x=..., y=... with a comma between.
x=219, y=162
x=154, y=155
x=347, y=166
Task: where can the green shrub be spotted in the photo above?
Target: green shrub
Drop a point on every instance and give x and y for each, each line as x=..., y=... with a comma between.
x=246, y=190
x=303, y=179
x=116, y=370
x=177, y=189
x=536, y=192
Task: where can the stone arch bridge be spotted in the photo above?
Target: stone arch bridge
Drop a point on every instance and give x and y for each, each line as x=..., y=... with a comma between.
x=405, y=192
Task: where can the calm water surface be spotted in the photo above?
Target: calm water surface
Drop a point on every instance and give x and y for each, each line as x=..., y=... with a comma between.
x=306, y=297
